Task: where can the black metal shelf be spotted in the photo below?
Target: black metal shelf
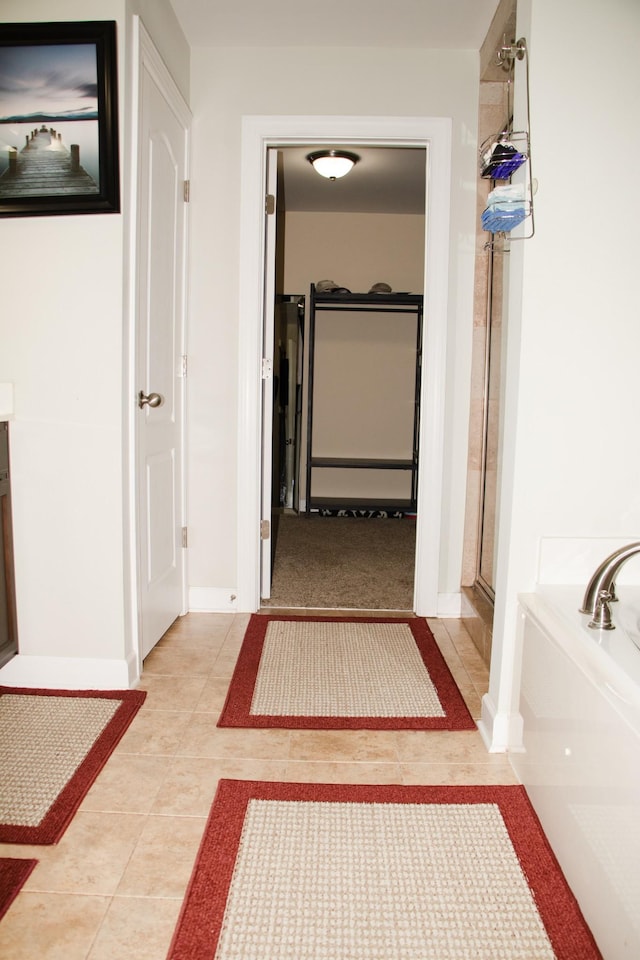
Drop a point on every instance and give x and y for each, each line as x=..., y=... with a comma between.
x=363, y=463
x=396, y=505
x=387, y=303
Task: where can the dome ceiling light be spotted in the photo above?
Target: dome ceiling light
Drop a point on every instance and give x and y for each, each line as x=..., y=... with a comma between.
x=332, y=164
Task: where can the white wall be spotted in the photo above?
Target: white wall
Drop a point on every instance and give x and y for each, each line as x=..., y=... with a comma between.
x=571, y=459
x=355, y=250
x=229, y=84
x=373, y=358
x=63, y=341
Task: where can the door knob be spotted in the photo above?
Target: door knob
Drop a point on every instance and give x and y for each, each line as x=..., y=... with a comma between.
x=150, y=400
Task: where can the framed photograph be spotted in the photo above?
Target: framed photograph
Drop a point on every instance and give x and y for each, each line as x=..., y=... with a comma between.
x=58, y=119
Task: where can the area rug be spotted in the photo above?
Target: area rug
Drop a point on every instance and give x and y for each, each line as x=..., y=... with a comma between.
x=13, y=874
x=335, y=673
x=335, y=872
x=53, y=744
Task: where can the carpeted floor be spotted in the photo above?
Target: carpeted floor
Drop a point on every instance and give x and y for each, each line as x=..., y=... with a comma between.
x=342, y=673
x=53, y=744
x=344, y=563
x=333, y=872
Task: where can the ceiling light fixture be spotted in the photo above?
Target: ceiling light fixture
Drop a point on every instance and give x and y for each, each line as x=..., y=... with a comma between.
x=332, y=164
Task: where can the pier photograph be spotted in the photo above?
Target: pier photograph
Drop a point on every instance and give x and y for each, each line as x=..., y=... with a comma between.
x=58, y=122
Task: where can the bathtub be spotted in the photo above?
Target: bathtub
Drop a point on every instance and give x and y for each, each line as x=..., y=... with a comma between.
x=580, y=705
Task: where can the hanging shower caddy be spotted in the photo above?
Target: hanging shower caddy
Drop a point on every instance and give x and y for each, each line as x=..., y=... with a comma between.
x=503, y=154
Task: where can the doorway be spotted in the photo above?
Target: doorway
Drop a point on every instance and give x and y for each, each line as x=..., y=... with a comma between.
x=351, y=368
x=258, y=134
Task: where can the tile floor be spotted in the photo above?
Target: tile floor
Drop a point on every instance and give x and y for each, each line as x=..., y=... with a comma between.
x=113, y=886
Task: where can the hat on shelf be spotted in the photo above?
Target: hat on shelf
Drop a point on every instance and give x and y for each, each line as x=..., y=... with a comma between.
x=380, y=288
x=328, y=286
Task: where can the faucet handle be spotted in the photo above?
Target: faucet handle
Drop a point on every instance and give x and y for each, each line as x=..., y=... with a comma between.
x=602, y=614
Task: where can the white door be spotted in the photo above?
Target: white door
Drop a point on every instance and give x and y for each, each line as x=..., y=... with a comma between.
x=163, y=155
x=266, y=526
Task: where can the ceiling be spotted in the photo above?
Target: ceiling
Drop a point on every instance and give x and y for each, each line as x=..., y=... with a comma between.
x=444, y=24
x=386, y=180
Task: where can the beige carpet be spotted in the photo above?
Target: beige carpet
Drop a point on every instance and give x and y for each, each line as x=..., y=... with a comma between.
x=295, y=871
x=391, y=877
x=56, y=734
x=343, y=669
x=53, y=744
x=342, y=673
x=344, y=563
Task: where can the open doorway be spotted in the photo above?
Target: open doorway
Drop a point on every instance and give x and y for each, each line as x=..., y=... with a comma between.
x=348, y=362
x=259, y=133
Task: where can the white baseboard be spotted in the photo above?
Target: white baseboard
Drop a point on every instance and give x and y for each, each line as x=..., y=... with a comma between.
x=212, y=599
x=224, y=600
x=450, y=605
x=501, y=733
x=69, y=673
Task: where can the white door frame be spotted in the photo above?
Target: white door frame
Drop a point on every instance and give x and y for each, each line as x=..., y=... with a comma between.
x=259, y=133
x=146, y=57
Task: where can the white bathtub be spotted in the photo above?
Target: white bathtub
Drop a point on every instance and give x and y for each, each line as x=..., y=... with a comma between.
x=580, y=704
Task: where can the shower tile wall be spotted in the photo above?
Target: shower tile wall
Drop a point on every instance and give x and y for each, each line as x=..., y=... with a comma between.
x=491, y=119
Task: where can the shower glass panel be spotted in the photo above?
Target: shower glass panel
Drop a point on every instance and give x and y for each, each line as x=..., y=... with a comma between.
x=491, y=438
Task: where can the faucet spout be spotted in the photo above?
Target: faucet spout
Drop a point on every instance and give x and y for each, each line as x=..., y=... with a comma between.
x=604, y=577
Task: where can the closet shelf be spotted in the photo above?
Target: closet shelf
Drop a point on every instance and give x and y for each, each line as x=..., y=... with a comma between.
x=371, y=504
x=374, y=304
x=363, y=463
x=368, y=302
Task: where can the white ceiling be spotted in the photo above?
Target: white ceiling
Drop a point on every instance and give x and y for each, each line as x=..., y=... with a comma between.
x=446, y=24
x=386, y=180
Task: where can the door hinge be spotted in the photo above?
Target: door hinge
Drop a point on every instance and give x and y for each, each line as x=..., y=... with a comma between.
x=267, y=368
x=184, y=366
x=184, y=537
x=269, y=204
x=265, y=529
x=186, y=187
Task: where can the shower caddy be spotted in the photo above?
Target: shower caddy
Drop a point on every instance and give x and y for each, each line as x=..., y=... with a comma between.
x=500, y=156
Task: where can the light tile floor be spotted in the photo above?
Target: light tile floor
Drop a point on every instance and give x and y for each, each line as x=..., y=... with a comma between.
x=112, y=888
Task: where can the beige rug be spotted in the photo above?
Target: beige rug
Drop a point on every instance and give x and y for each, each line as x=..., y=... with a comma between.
x=342, y=673
x=341, y=668
x=52, y=746
x=336, y=872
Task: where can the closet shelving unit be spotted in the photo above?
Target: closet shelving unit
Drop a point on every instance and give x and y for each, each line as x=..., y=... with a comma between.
x=362, y=304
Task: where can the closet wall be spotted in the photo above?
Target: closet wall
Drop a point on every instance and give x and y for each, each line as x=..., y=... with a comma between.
x=357, y=250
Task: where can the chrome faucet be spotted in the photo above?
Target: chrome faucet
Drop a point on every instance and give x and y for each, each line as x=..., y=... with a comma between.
x=601, y=591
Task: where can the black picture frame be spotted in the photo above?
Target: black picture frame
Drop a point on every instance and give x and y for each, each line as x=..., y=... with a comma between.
x=58, y=81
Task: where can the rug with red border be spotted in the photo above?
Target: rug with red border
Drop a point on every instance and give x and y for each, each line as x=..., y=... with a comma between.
x=53, y=744
x=341, y=673
x=13, y=874
x=335, y=872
